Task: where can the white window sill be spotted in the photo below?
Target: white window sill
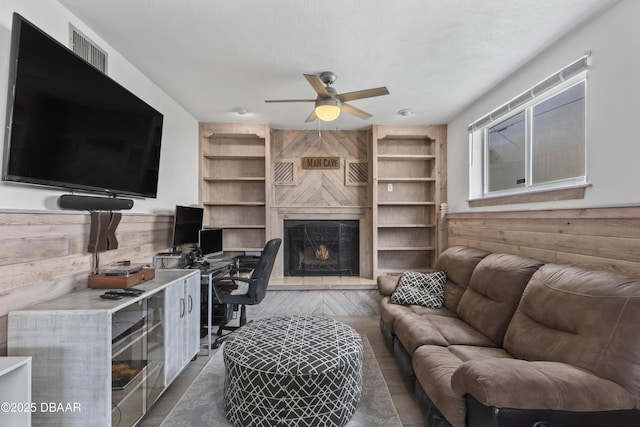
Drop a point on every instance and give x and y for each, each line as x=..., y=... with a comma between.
x=574, y=192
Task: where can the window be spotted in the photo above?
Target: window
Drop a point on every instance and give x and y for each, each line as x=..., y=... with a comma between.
x=535, y=142
x=557, y=139
x=506, y=145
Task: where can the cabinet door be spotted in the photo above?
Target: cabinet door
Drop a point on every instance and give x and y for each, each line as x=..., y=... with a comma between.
x=192, y=346
x=156, y=319
x=71, y=352
x=174, y=309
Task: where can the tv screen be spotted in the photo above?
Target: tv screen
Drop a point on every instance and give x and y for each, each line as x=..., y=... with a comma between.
x=187, y=223
x=210, y=242
x=71, y=126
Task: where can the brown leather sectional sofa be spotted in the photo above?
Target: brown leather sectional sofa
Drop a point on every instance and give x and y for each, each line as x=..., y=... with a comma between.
x=520, y=343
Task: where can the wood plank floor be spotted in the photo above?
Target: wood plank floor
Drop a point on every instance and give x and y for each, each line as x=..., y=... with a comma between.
x=401, y=394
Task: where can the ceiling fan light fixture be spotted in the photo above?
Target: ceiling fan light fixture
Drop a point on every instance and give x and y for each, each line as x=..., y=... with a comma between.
x=327, y=109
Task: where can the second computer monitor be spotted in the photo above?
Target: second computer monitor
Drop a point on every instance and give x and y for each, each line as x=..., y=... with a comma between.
x=210, y=242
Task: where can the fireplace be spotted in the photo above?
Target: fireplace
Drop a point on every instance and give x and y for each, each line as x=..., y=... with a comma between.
x=321, y=248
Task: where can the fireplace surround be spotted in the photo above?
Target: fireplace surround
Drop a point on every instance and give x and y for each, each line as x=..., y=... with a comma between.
x=321, y=248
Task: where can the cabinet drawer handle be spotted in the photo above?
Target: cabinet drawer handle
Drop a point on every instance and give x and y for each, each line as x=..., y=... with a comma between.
x=182, y=307
x=190, y=303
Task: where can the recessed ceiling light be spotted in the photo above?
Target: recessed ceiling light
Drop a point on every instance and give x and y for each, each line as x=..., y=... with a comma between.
x=241, y=111
x=405, y=112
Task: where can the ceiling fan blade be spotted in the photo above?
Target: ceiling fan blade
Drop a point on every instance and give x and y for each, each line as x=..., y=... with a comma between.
x=312, y=116
x=359, y=94
x=317, y=85
x=350, y=109
x=290, y=100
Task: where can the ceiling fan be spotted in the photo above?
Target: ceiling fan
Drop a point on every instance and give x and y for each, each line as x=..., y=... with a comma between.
x=329, y=102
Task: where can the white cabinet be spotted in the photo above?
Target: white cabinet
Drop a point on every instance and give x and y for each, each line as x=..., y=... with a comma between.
x=192, y=325
x=79, y=342
x=183, y=320
x=15, y=391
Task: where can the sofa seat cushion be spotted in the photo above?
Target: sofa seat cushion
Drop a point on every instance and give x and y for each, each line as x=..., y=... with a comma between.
x=434, y=367
x=525, y=384
x=494, y=292
x=389, y=312
x=415, y=330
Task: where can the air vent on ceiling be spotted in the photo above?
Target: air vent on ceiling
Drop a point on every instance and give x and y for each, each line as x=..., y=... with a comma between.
x=82, y=46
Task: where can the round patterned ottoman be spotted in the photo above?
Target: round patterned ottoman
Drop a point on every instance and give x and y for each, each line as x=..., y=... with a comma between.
x=292, y=371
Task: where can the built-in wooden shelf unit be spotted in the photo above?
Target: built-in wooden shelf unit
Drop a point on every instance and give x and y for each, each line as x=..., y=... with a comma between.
x=407, y=193
x=234, y=173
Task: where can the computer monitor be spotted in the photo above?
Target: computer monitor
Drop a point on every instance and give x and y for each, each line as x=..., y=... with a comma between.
x=210, y=242
x=187, y=222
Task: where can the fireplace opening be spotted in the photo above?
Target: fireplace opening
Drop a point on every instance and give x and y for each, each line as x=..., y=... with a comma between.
x=321, y=248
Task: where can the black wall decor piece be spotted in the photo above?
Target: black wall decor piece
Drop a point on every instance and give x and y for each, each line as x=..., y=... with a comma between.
x=103, y=231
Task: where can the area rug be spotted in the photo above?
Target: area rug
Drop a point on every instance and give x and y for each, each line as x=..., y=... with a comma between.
x=203, y=405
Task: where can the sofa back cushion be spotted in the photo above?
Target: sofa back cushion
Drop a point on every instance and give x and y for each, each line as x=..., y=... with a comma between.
x=458, y=262
x=586, y=318
x=494, y=292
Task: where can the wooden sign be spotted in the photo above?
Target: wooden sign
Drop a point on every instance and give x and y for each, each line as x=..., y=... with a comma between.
x=321, y=163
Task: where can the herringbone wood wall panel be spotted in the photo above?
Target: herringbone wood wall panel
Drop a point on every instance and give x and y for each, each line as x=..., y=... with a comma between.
x=320, y=187
x=319, y=303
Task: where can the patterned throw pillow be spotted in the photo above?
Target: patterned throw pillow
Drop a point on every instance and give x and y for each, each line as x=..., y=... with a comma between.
x=426, y=289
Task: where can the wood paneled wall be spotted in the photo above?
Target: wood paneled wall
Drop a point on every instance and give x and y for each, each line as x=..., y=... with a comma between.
x=600, y=238
x=322, y=193
x=43, y=254
x=321, y=187
x=323, y=302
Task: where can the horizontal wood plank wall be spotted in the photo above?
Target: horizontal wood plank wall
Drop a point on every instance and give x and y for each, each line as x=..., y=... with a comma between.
x=44, y=255
x=601, y=238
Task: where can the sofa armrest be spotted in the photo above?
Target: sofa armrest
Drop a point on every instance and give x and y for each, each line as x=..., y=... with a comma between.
x=515, y=383
x=387, y=284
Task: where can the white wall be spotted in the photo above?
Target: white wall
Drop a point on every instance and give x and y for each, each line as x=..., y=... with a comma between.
x=613, y=111
x=178, y=181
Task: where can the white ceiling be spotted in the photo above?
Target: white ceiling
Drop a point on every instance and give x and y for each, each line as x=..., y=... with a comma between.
x=434, y=56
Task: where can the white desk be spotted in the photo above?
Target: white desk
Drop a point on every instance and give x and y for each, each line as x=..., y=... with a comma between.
x=215, y=269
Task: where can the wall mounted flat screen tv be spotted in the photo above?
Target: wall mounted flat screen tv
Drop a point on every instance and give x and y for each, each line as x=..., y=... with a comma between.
x=187, y=223
x=71, y=126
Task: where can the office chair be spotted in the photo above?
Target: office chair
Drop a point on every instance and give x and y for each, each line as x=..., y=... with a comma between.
x=243, y=291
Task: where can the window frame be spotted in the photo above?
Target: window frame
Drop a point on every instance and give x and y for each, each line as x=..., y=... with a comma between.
x=479, y=146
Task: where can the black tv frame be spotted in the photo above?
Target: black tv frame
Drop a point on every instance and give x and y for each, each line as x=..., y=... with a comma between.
x=96, y=96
